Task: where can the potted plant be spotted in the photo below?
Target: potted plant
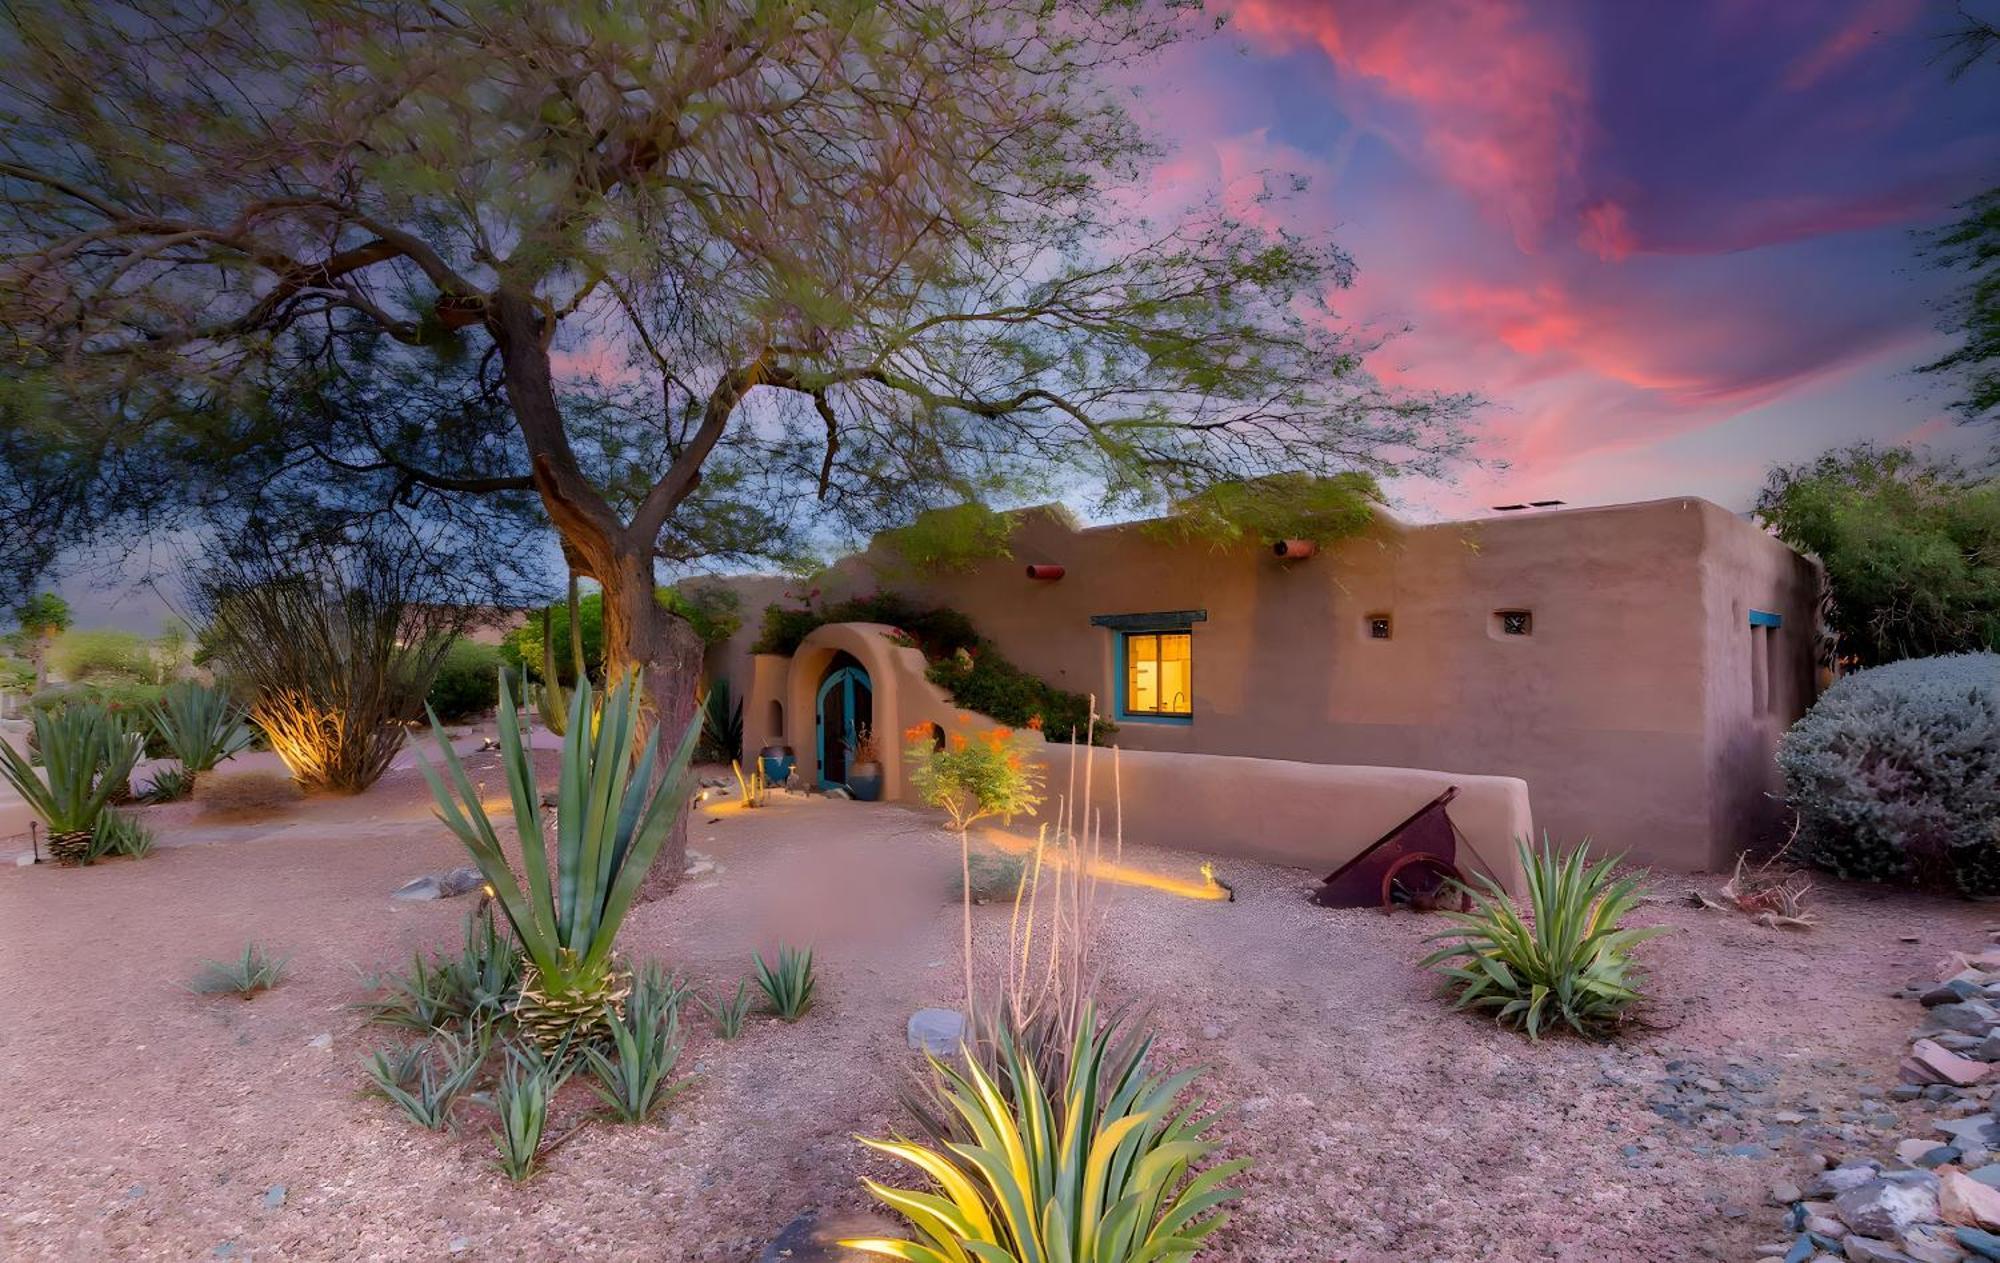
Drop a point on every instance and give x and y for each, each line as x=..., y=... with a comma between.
x=864, y=768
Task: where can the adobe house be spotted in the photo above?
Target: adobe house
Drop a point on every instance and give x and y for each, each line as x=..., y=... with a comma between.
x=1625, y=670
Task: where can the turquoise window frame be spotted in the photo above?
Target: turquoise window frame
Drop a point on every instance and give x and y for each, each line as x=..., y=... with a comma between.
x=1124, y=716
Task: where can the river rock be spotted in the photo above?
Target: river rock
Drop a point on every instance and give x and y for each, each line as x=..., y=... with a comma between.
x=1885, y=1206
x=936, y=1031
x=462, y=880
x=1967, y=1202
x=813, y=1237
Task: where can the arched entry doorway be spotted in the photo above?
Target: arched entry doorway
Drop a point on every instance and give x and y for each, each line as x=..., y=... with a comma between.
x=846, y=705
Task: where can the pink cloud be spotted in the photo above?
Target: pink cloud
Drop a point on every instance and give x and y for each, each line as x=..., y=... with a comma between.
x=1504, y=104
x=1607, y=231
x=1865, y=26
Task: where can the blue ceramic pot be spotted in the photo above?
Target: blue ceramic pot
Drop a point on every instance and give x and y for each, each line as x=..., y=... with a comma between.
x=864, y=781
x=777, y=763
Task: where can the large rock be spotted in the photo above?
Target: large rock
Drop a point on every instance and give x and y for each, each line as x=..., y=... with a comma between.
x=1840, y=1179
x=936, y=1031
x=1971, y=1017
x=1967, y=1202
x=1885, y=1206
x=1930, y=1062
x=1869, y=1250
x=462, y=880
x=813, y=1237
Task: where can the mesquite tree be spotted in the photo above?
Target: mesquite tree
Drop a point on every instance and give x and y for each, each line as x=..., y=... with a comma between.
x=876, y=255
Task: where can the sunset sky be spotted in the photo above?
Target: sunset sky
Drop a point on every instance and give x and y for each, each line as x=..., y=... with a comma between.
x=1671, y=242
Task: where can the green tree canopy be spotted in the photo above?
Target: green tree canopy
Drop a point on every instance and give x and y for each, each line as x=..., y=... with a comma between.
x=1911, y=549
x=876, y=255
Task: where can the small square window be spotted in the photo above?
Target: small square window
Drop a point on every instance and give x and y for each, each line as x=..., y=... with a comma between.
x=1378, y=627
x=1515, y=622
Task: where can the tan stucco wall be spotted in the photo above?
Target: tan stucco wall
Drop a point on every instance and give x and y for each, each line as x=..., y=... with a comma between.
x=1627, y=712
x=1309, y=815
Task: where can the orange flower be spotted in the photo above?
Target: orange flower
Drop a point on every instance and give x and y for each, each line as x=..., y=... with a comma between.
x=1035, y=722
x=958, y=741
x=917, y=734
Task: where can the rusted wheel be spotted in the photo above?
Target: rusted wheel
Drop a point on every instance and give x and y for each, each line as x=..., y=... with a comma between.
x=1443, y=872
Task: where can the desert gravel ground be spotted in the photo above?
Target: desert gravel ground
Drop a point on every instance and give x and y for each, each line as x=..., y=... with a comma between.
x=139, y=1121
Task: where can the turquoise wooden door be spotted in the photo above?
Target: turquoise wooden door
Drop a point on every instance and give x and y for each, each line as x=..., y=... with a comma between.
x=846, y=703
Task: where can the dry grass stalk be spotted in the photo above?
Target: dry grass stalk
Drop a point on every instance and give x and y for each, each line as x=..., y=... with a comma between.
x=1052, y=973
x=1775, y=899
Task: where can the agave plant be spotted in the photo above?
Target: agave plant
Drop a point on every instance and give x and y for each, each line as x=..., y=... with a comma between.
x=787, y=985
x=88, y=754
x=1572, y=965
x=610, y=823
x=1105, y=1174
x=200, y=726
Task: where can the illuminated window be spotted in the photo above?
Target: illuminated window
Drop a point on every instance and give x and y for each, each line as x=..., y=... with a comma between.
x=1159, y=674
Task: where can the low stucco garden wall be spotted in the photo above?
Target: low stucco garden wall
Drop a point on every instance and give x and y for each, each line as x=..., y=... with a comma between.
x=1308, y=815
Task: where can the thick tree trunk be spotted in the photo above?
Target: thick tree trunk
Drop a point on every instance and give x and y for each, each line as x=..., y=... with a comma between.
x=637, y=632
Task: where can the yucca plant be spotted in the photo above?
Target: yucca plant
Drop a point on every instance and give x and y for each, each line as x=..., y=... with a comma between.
x=87, y=753
x=426, y=1087
x=639, y=1079
x=119, y=834
x=1570, y=965
x=475, y=986
x=256, y=970
x=169, y=785
x=522, y=1102
x=655, y=990
x=610, y=822
x=200, y=726
x=1103, y=1174
x=729, y=1011
x=788, y=985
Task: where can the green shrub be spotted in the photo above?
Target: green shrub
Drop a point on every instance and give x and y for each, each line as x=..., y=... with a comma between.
x=103, y=654
x=971, y=778
x=951, y=540
x=130, y=700
x=1911, y=549
x=17, y=675
x=1571, y=965
x=712, y=611
x=995, y=878
x=1895, y=774
x=1100, y=1167
x=468, y=680
x=938, y=632
x=983, y=680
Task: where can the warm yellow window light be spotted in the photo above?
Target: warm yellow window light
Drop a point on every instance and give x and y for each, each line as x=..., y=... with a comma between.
x=1159, y=673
